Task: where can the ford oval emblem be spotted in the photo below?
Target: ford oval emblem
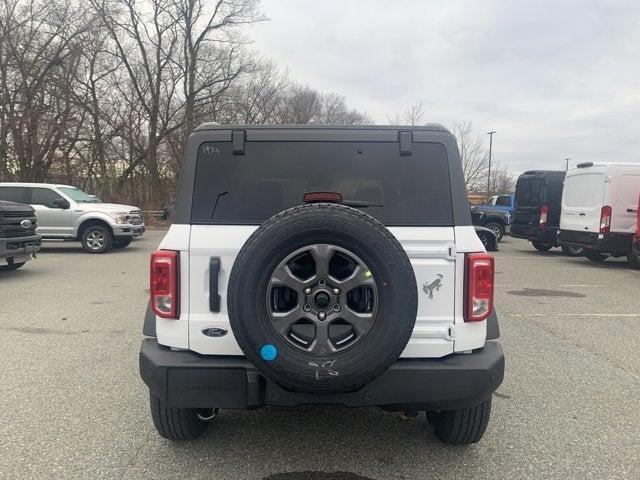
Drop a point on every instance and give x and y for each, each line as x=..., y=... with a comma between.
x=214, y=332
x=26, y=223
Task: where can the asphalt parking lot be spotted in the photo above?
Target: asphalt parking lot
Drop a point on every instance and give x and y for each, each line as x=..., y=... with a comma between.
x=72, y=404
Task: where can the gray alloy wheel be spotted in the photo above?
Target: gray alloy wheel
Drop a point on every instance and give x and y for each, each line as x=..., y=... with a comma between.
x=314, y=308
x=96, y=239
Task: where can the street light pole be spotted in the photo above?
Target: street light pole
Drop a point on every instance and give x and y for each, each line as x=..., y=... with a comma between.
x=489, y=174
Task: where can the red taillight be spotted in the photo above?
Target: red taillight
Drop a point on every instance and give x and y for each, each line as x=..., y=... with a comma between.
x=314, y=197
x=605, y=219
x=544, y=215
x=479, y=301
x=164, y=283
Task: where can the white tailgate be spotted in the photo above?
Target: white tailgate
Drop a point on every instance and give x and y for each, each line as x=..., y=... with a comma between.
x=582, y=200
x=427, y=248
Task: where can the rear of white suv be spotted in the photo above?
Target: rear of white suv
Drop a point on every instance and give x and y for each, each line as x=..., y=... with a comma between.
x=319, y=265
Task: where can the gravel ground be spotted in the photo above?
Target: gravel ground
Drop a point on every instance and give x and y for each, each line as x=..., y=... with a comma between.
x=72, y=404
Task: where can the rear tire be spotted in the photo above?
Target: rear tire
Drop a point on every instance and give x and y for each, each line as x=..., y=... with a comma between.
x=463, y=426
x=595, y=256
x=542, y=247
x=96, y=239
x=572, y=251
x=496, y=228
x=11, y=267
x=176, y=423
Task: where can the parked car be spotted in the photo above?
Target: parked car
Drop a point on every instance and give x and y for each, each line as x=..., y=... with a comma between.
x=537, y=213
x=599, y=204
x=67, y=213
x=274, y=287
x=495, y=219
x=19, y=241
x=506, y=202
x=487, y=237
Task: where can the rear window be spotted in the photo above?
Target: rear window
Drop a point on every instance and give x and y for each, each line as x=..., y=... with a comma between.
x=504, y=200
x=584, y=190
x=530, y=191
x=273, y=176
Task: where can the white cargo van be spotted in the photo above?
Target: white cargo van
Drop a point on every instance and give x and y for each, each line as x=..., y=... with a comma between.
x=599, y=208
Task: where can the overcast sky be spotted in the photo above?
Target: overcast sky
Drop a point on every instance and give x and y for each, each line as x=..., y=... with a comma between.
x=555, y=79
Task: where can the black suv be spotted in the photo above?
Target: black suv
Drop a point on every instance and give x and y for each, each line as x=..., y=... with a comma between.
x=18, y=238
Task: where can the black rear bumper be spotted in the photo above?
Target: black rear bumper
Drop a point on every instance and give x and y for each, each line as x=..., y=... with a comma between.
x=546, y=235
x=618, y=243
x=185, y=379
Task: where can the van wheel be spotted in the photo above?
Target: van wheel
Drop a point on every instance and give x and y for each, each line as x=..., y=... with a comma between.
x=572, y=251
x=96, y=239
x=542, y=247
x=595, y=256
x=496, y=228
x=11, y=267
x=178, y=423
x=633, y=260
x=463, y=426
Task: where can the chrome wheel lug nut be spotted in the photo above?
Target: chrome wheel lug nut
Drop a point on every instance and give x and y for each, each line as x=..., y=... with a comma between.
x=306, y=307
x=322, y=315
x=307, y=291
x=336, y=291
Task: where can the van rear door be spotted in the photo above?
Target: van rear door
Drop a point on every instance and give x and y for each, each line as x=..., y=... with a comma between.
x=623, y=214
x=582, y=199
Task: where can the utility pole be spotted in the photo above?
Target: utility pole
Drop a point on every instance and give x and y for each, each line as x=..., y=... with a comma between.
x=566, y=167
x=489, y=174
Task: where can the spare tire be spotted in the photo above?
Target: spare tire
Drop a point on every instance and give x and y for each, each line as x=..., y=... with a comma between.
x=322, y=298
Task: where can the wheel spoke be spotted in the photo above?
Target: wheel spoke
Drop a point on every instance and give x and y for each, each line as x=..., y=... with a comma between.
x=322, y=345
x=358, y=278
x=283, y=276
x=322, y=254
x=283, y=320
x=362, y=322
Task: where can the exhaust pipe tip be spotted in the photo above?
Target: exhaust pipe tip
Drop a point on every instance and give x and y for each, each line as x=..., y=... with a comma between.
x=207, y=414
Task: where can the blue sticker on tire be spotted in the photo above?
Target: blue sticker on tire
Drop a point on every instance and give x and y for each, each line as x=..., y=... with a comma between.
x=268, y=352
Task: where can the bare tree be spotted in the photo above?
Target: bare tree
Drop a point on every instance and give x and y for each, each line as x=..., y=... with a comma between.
x=473, y=155
x=412, y=116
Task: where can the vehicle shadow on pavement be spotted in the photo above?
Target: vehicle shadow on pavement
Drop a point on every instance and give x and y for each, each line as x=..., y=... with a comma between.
x=314, y=443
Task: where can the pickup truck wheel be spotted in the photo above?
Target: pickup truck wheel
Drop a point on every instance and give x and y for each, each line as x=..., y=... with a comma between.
x=463, y=426
x=595, y=256
x=496, y=228
x=121, y=242
x=96, y=239
x=542, y=247
x=177, y=423
x=11, y=267
x=322, y=298
x=572, y=251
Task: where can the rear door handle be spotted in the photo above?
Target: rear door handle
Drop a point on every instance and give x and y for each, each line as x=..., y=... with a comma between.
x=214, y=296
x=631, y=210
x=582, y=214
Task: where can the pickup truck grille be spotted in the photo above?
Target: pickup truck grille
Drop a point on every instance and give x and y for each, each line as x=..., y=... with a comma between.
x=13, y=232
x=17, y=214
x=10, y=226
x=135, y=217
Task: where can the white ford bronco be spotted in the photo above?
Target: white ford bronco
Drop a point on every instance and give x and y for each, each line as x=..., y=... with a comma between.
x=322, y=265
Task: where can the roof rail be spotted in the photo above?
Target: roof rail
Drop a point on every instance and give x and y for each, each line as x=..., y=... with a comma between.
x=585, y=164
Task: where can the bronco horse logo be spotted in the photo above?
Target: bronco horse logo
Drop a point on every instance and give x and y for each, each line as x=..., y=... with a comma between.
x=429, y=287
